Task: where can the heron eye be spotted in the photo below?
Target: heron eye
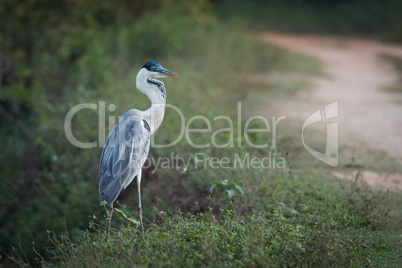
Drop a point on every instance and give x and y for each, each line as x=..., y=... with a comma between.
x=152, y=68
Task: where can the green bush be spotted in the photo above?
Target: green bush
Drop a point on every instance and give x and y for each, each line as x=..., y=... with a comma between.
x=373, y=19
x=305, y=233
x=71, y=53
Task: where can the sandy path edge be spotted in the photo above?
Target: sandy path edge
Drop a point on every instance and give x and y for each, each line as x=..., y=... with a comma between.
x=355, y=75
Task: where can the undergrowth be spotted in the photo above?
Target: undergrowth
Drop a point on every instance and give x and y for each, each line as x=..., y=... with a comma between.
x=397, y=65
x=300, y=226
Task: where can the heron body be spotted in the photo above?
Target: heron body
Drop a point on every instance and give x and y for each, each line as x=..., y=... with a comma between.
x=126, y=149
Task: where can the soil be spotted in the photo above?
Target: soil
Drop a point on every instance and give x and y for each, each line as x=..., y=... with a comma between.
x=355, y=74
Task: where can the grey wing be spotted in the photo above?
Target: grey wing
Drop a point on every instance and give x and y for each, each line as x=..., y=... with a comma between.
x=126, y=149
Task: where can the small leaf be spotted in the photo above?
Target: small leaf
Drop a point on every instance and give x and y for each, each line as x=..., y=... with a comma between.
x=212, y=187
x=127, y=218
x=239, y=188
x=230, y=193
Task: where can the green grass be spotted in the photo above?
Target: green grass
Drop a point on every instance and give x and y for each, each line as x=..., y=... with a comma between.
x=311, y=220
x=394, y=89
x=397, y=65
x=299, y=63
x=353, y=18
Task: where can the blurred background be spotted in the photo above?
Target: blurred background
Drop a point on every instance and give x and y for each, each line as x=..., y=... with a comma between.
x=55, y=55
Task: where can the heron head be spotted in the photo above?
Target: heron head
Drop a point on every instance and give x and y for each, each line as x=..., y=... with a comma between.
x=156, y=70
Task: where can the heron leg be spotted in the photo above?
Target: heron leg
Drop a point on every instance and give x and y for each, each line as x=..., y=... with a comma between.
x=139, y=200
x=109, y=220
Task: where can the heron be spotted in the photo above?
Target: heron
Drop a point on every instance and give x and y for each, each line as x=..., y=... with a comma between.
x=127, y=146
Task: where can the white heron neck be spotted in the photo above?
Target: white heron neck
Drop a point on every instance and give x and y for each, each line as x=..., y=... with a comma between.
x=155, y=91
x=154, y=116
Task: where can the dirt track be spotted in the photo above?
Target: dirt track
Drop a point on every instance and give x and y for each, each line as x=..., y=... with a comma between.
x=355, y=75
